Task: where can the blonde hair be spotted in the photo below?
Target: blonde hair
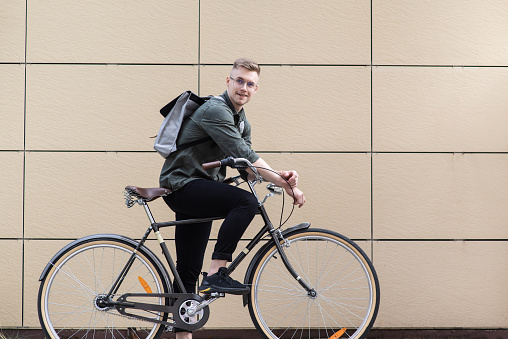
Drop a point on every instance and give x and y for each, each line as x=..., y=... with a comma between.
x=248, y=64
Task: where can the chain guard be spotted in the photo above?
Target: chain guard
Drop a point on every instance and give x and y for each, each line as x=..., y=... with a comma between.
x=180, y=304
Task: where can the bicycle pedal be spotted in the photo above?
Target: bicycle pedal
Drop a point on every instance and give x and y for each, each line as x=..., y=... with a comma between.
x=217, y=295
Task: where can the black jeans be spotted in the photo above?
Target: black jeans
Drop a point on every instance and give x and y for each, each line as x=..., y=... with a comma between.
x=202, y=199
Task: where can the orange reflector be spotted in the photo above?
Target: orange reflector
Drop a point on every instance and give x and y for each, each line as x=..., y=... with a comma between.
x=338, y=334
x=145, y=285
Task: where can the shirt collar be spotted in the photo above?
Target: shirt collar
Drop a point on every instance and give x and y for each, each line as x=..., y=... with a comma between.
x=225, y=96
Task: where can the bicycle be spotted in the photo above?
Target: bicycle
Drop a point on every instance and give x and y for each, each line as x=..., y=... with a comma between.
x=305, y=282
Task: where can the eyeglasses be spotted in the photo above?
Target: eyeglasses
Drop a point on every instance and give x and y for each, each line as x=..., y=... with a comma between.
x=239, y=82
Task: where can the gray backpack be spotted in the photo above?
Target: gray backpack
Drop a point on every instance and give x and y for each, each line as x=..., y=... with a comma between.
x=174, y=115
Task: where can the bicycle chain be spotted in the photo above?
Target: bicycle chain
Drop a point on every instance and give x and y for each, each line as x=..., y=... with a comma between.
x=134, y=318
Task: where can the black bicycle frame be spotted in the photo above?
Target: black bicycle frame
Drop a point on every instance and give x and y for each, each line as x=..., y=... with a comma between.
x=267, y=229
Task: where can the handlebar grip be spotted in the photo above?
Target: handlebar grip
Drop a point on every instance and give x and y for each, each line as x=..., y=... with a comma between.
x=210, y=165
x=229, y=161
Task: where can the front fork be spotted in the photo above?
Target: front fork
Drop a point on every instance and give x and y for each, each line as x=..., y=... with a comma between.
x=280, y=243
x=278, y=237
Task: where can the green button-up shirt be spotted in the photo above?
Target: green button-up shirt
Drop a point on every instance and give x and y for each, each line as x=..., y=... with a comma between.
x=231, y=136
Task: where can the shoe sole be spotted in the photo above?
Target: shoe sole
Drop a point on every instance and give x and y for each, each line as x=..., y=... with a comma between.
x=210, y=290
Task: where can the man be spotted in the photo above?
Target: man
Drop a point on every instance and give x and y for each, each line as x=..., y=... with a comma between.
x=199, y=193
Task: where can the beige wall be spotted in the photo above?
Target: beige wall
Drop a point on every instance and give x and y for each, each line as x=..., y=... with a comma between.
x=393, y=111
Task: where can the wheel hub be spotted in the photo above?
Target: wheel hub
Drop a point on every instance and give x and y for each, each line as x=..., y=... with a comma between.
x=312, y=294
x=101, y=302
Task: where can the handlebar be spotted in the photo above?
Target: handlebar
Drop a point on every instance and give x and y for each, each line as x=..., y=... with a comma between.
x=238, y=163
x=230, y=161
x=210, y=165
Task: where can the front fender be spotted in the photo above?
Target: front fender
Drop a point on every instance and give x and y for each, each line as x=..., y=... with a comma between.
x=262, y=250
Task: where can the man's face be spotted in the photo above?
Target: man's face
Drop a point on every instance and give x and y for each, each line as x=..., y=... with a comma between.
x=240, y=86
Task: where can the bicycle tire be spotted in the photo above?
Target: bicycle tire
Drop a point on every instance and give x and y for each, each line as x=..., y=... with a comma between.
x=86, y=270
x=343, y=276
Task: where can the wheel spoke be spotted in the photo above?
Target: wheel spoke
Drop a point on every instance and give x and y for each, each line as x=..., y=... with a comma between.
x=340, y=273
x=70, y=294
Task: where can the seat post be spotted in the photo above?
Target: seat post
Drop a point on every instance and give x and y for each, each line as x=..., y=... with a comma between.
x=148, y=213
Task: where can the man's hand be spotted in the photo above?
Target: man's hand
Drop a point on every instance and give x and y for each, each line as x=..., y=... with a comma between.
x=291, y=177
x=299, y=198
x=292, y=191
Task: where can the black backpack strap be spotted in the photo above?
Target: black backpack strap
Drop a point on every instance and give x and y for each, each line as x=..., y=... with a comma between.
x=192, y=143
x=199, y=100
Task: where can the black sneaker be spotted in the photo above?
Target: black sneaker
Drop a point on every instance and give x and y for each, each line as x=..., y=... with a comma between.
x=222, y=283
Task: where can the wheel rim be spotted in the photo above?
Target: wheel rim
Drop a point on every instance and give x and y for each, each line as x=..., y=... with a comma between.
x=340, y=277
x=79, y=282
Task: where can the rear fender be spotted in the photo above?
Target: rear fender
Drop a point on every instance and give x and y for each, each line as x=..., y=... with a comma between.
x=94, y=237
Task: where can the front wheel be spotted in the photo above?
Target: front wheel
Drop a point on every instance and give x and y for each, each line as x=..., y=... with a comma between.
x=347, y=288
x=72, y=293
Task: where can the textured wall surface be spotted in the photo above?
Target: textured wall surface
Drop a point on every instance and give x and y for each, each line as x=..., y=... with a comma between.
x=394, y=112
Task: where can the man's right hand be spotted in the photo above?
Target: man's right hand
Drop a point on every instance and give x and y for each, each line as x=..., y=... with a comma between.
x=299, y=198
x=290, y=176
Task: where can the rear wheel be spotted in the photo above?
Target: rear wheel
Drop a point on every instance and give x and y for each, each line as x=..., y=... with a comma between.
x=72, y=297
x=347, y=288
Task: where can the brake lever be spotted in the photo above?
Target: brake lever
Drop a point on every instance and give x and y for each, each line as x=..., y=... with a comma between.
x=275, y=189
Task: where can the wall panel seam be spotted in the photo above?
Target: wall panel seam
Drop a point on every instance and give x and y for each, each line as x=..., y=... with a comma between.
x=267, y=152
x=199, y=47
x=440, y=240
x=374, y=240
x=24, y=175
x=261, y=64
x=441, y=66
x=371, y=138
x=180, y=64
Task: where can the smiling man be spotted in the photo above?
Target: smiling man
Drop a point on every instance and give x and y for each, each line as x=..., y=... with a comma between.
x=199, y=193
x=242, y=83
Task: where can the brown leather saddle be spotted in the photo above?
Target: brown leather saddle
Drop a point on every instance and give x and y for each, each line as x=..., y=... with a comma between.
x=149, y=194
